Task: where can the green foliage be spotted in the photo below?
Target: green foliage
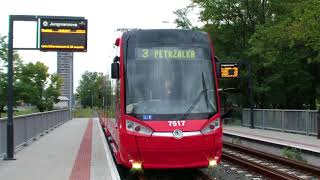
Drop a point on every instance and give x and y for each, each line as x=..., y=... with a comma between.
x=83, y=113
x=52, y=92
x=3, y=85
x=22, y=112
x=3, y=74
x=94, y=88
x=293, y=153
x=3, y=49
x=35, y=87
x=182, y=21
x=281, y=38
x=31, y=82
x=289, y=56
x=236, y=140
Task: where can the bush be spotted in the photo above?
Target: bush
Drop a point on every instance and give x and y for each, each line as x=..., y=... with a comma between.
x=293, y=153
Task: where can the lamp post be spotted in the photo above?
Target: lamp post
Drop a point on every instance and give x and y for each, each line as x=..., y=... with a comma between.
x=92, y=99
x=90, y=93
x=318, y=119
x=250, y=88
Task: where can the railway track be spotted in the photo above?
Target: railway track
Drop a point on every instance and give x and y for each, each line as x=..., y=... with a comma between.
x=203, y=176
x=268, y=165
x=174, y=175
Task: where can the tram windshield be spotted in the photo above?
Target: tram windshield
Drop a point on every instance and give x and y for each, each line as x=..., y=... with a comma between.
x=169, y=75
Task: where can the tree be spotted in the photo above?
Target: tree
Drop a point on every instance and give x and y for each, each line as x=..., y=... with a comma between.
x=182, y=20
x=93, y=88
x=279, y=37
x=3, y=74
x=52, y=92
x=288, y=48
x=33, y=81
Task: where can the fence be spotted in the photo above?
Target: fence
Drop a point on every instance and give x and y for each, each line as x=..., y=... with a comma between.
x=29, y=127
x=297, y=121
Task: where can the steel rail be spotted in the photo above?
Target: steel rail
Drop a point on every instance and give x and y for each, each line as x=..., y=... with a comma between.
x=288, y=162
x=141, y=176
x=203, y=175
x=266, y=171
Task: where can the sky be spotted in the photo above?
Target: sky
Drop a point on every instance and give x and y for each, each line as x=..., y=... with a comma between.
x=104, y=17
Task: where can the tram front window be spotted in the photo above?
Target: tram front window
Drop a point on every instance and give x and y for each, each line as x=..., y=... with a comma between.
x=167, y=80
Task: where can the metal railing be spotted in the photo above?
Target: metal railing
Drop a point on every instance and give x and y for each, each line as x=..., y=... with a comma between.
x=31, y=126
x=296, y=121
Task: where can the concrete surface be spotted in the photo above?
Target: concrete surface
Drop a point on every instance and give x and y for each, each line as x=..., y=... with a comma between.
x=310, y=143
x=274, y=142
x=52, y=156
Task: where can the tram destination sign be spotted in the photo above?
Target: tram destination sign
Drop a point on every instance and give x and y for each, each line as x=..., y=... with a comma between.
x=68, y=35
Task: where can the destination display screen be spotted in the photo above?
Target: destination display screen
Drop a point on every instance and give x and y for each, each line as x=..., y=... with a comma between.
x=229, y=70
x=169, y=53
x=63, y=35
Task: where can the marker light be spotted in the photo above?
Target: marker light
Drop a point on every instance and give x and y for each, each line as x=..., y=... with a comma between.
x=211, y=127
x=136, y=166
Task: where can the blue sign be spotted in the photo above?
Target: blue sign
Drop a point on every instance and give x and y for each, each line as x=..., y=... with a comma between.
x=146, y=117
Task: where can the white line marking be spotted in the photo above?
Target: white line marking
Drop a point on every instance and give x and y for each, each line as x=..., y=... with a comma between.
x=112, y=168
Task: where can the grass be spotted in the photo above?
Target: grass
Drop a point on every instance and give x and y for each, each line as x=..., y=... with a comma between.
x=83, y=113
x=18, y=113
x=106, y=113
x=78, y=113
x=293, y=153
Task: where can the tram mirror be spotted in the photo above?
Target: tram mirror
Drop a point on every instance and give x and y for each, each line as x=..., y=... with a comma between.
x=218, y=66
x=218, y=69
x=117, y=43
x=115, y=70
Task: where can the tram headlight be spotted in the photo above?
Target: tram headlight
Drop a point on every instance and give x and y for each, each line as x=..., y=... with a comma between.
x=211, y=126
x=136, y=166
x=212, y=163
x=135, y=127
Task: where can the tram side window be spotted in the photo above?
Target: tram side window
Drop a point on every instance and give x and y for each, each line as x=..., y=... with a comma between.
x=118, y=99
x=111, y=106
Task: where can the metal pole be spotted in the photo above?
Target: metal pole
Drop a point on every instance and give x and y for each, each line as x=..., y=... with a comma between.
x=71, y=86
x=103, y=106
x=92, y=100
x=318, y=123
x=251, y=95
x=10, y=125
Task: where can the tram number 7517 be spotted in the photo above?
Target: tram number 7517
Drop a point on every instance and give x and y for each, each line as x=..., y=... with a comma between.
x=176, y=123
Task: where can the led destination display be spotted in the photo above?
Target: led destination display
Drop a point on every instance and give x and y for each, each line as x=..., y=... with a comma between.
x=169, y=53
x=63, y=35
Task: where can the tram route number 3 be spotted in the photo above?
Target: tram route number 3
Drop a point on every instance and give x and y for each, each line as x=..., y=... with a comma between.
x=176, y=123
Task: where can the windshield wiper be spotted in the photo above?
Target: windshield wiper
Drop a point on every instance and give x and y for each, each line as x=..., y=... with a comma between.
x=193, y=104
x=204, y=86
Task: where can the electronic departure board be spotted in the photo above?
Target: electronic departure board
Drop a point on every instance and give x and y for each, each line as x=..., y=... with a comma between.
x=229, y=70
x=63, y=35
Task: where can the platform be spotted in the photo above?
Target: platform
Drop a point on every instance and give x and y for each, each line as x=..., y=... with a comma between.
x=309, y=143
x=76, y=150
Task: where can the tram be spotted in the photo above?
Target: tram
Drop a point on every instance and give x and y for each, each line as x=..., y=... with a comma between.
x=167, y=108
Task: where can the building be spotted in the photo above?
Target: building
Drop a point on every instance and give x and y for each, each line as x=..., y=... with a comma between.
x=65, y=70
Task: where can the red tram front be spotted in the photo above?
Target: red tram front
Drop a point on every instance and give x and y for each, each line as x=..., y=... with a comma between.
x=167, y=109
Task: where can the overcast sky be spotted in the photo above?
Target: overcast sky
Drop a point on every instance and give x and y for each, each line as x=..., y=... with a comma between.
x=104, y=17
